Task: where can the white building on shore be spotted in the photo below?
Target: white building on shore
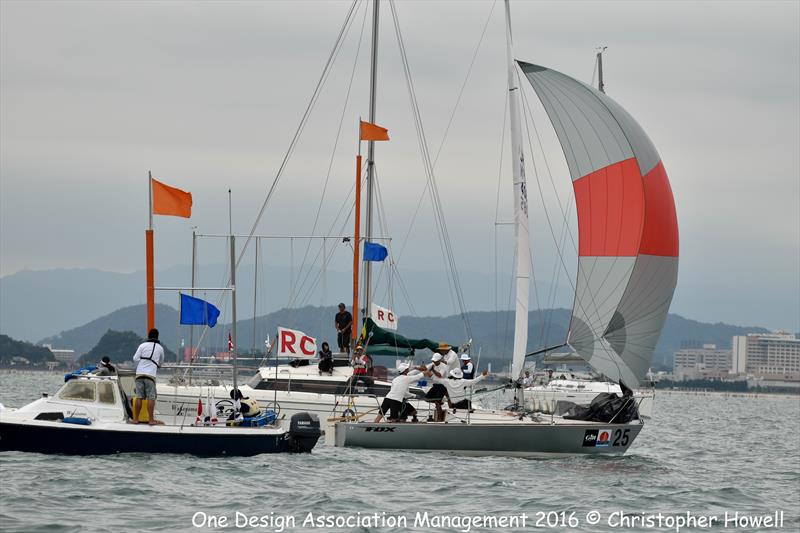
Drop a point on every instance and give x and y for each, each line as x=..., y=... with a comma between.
x=701, y=363
x=772, y=356
x=66, y=357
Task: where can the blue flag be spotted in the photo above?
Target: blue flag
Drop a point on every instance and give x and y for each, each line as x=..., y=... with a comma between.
x=197, y=312
x=374, y=251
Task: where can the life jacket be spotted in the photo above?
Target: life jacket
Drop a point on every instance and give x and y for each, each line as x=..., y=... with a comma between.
x=249, y=407
x=151, y=353
x=360, y=366
x=468, y=370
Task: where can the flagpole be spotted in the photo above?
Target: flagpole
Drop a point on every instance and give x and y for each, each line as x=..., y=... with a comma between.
x=354, y=329
x=148, y=239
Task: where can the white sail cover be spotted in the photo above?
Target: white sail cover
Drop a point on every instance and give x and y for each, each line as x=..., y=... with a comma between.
x=627, y=227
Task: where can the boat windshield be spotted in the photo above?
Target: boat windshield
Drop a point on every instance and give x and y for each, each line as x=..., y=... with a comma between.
x=78, y=390
x=105, y=392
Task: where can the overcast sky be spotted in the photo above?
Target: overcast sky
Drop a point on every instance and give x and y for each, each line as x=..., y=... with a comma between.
x=207, y=96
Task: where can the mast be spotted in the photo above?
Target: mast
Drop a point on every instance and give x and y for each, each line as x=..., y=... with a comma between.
x=233, y=296
x=255, y=297
x=373, y=80
x=521, y=232
x=191, y=328
x=600, y=85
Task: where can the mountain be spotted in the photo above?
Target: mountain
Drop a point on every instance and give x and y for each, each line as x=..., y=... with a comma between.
x=132, y=318
x=491, y=331
x=37, y=304
x=119, y=346
x=10, y=348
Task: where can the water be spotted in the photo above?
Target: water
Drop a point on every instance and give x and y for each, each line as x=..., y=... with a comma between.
x=699, y=455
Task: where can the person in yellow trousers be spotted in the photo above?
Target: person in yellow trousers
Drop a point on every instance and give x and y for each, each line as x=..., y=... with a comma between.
x=148, y=358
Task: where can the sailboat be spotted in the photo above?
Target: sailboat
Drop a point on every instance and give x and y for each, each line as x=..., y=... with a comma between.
x=627, y=272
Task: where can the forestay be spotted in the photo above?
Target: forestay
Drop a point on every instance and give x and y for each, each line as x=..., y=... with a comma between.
x=627, y=227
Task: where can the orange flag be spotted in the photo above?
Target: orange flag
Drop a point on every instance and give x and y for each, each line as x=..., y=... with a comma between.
x=171, y=201
x=373, y=132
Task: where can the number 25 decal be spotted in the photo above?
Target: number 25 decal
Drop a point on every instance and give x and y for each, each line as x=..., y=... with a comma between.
x=621, y=437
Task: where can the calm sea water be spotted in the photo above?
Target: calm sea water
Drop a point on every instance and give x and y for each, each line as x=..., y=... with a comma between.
x=700, y=455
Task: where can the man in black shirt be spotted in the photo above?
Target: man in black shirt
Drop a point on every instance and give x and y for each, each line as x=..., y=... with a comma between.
x=344, y=321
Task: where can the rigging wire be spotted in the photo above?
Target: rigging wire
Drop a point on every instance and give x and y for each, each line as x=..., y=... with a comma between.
x=447, y=129
x=303, y=121
x=447, y=250
x=336, y=140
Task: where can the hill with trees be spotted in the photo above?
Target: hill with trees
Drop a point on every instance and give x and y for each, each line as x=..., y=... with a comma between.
x=492, y=332
x=10, y=348
x=119, y=346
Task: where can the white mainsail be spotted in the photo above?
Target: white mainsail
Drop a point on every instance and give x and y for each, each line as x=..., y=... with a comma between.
x=521, y=231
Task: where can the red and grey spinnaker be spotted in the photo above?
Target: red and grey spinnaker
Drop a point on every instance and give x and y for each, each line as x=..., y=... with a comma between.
x=627, y=226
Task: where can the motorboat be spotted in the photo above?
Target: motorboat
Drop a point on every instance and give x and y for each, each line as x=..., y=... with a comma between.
x=288, y=389
x=91, y=414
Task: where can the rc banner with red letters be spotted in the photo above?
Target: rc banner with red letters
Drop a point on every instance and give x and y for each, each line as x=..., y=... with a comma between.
x=383, y=317
x=296, y=344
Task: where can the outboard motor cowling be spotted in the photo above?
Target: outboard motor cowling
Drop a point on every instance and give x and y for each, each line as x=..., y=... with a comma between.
x=304, y=432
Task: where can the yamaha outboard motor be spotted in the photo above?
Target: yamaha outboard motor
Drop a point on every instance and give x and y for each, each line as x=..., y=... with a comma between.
x=304, y=432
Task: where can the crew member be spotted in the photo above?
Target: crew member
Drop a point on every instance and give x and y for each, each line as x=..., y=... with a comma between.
x=105, y=368
x=325, y=360
x=360, y=361
x=344, y=323
x=459, y=389
x=467, y=368
x=437, y=392
x=395, y=403
x=149, y=357
x=449, y=357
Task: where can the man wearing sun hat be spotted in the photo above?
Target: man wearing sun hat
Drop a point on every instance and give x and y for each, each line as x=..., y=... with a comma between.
x=449, y=357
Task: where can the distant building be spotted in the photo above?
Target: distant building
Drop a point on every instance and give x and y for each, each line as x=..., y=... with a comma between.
x=701, y=363
x=66, y=357
x=773, y=356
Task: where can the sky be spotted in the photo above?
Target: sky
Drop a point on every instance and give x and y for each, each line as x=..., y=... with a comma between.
x=207, y=96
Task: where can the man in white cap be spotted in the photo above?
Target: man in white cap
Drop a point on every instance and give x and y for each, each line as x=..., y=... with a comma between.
x=395, y=402
x=437, y=369
x=459, y=390
x=467, y=368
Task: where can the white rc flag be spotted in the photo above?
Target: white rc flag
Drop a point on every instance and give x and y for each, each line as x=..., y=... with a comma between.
x=294, y=343
x=383, y=317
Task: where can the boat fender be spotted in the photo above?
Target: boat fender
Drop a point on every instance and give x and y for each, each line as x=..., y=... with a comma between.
x=77, y=420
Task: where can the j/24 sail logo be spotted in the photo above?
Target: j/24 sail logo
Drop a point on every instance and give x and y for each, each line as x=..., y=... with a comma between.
x=603, y=438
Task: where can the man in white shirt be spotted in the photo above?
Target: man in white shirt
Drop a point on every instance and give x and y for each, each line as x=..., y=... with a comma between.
x=395, y=402
x=148, y=358
x=458, y=389
x=449, y=357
